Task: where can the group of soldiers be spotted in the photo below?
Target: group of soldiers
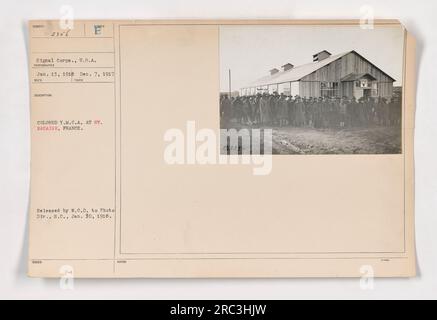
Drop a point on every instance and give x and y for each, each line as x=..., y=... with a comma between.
x=324, y=112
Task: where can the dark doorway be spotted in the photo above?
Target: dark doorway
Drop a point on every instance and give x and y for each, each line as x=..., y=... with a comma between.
x=367, y=93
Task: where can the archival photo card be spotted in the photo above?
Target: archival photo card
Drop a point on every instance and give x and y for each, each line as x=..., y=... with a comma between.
x=221, y=149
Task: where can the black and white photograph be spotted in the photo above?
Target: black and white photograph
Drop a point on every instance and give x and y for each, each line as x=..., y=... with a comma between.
x=321, y=90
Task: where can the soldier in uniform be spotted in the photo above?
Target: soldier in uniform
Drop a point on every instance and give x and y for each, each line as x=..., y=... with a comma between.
x=336, y=112
x=237, y=109
x=361, y=111
x=317, y=113
x=366, y=111
x=225, y=111
x=254, y=109
x=377, y=113
x=329, y=112
x=274, y=108
x=396, y=111
x=350, y=112
x=342, y=106
x=283, y=110
x=335, y=109
x=305, y=110
x=326, y=112
x=264, y=110
x=292, y=111
x=309, y=112
x=246, y=111
x=300, y=112
x=386, y=112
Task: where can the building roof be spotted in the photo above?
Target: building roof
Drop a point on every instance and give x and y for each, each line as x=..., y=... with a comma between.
x=357, y=76
x=298, y=72
x=323, y=51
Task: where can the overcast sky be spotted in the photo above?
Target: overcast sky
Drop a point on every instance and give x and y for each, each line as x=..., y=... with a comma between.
x=251, y=51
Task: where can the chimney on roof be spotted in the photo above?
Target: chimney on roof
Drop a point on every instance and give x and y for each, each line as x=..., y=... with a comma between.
x=287, y=66
x=322, y=55
x=273, y=71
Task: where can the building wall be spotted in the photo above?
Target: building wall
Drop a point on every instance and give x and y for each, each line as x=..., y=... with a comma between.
x=309, y=89
x=273, y=88
x=350, y=63
x=284, y=88
x=347, y=89
x=309, y=86
x=385, y=89
x=358, y=93
x=295, y=88
x=289, y=88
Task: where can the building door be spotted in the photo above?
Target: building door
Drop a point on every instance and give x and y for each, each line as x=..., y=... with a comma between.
x=367, y=93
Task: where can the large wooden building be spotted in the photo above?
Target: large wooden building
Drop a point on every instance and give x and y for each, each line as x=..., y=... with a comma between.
x=348, y=74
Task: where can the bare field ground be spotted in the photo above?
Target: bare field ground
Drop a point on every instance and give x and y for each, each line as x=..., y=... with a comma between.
x=306, y=140
x=374, y=140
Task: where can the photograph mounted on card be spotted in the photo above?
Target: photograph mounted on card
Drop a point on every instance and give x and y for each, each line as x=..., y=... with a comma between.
x=222, y=148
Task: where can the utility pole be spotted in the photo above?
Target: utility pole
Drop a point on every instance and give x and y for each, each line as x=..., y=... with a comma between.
x=230, y=85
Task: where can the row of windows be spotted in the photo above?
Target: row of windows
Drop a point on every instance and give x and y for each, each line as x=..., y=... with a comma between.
x=331, y=89
x=327, y=89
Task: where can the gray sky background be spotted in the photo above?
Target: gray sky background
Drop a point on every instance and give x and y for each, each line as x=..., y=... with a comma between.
x=251, y=51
